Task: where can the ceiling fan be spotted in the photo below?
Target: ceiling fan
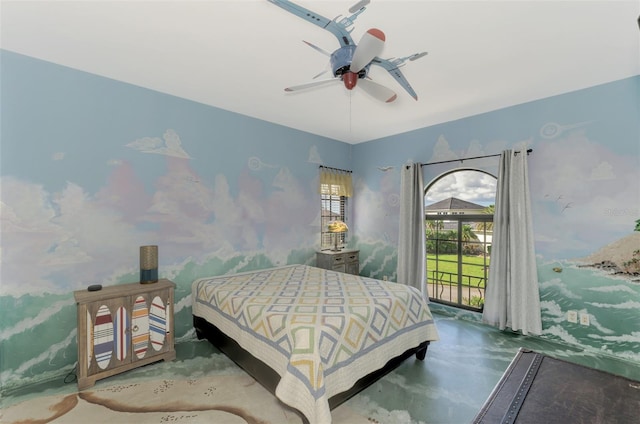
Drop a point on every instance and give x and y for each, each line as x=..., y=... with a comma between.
x=350, y=63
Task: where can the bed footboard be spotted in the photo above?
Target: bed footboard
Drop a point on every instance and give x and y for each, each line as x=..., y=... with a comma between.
x=266, y=376
x=257, y=369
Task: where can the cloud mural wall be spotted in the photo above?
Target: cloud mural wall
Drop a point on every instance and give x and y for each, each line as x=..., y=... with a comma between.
x=585, y=188
x=85, y=181
x=79, y=197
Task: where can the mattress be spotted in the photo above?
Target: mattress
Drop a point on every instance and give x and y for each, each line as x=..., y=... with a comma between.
x=320, y=330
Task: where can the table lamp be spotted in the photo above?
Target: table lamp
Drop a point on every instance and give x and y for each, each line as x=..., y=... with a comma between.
x=335, y=228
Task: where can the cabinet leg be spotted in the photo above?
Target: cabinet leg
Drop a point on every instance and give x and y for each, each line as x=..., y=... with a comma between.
x=85, y=383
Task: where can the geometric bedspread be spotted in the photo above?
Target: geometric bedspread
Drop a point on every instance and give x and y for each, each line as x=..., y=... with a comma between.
x=320, y=330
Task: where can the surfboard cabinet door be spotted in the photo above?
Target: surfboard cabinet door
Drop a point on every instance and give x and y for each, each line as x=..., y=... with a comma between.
x=123, y=327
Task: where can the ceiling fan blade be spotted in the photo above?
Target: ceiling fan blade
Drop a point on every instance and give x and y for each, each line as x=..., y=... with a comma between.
x=377, y=91
x=324, y=52
x=371, y=45
x=313, y=84
x=320, y=73
x=316, y=48
x=359, y=6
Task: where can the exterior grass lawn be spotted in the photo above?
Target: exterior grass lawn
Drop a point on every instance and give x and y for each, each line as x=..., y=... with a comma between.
x=472, y=266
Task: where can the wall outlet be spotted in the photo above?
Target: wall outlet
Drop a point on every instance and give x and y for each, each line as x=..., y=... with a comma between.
x=572, y=316
x=584, y=318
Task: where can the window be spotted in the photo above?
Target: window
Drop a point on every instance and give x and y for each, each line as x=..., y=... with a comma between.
x=335, y=187
x=459, y=228
x=333, y=208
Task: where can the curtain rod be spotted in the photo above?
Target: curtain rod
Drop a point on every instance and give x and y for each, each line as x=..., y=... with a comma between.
x=476, y=157
x=335, y=169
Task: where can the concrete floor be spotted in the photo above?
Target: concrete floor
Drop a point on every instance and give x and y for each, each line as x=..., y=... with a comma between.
x=449, y=387
x=461, y=370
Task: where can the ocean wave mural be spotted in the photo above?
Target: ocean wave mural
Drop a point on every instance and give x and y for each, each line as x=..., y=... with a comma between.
x=82, y=193
x=92, y=168
x=39, y=331
x=58, y=242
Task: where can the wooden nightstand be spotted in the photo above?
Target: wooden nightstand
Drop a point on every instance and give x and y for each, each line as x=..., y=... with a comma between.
x=344, y=261
x=123, y=327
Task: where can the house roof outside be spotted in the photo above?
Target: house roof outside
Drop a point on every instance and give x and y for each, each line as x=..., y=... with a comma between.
x=453, y=204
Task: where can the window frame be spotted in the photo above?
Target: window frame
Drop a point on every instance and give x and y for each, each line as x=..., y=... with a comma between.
x=435, y=277
x=460, y=218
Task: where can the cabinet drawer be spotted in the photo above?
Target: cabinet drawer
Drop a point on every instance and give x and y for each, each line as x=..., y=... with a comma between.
x=345, y=258
x=351, y=258
x=344, y=261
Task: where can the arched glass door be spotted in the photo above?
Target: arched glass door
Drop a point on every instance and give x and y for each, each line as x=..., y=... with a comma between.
x=459, y=227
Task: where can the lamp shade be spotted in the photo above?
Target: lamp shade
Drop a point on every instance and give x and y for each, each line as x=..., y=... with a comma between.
x=337, y=227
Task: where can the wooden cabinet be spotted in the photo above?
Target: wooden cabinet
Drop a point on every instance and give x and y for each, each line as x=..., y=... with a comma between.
x=344, y=261
x=123, y=327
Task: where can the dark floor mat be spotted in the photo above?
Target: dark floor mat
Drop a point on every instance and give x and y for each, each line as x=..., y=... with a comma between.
x=539, y=389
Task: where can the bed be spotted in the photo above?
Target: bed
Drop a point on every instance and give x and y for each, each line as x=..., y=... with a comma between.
x=312, y=336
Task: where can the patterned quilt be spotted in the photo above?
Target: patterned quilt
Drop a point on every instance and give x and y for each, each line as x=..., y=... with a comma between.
x=320, y=330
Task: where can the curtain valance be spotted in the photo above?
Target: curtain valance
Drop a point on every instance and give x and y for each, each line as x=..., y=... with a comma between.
x=335, y=182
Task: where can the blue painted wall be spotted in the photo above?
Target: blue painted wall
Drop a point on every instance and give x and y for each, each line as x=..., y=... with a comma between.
x=585, y=190
x=93, y=168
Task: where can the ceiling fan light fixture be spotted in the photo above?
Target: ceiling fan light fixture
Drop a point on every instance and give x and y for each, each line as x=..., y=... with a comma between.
x=350, y=79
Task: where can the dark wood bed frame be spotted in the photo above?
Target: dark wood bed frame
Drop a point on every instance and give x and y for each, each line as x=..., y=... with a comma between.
x=269, y=378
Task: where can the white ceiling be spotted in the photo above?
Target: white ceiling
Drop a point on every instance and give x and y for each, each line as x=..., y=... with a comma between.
x=239, y=55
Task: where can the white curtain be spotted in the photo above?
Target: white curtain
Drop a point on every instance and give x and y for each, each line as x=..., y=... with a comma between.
x=512, y=297
x=411, y=243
